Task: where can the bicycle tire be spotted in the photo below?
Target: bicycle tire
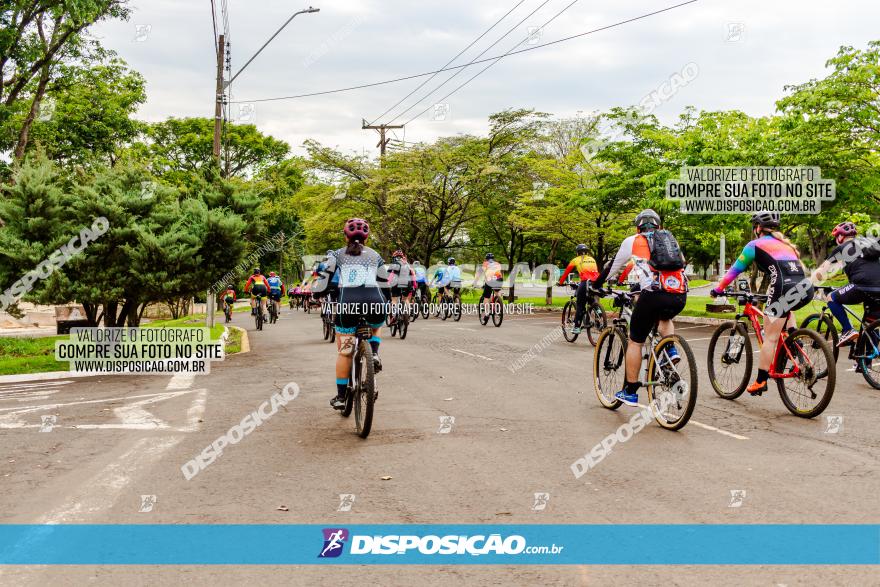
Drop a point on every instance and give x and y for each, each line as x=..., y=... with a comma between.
x=607, y=355
x=456, y=307
x=692, y=385
x=426, y=310
x=724, y=390
x=824, y=325
x=601, y=322
x=404, y=325
x=866, y=357
x=444, y=311
x=568, y=322
x=365, y=389
x=497, y=312
x=830, y=373
x=258, y=318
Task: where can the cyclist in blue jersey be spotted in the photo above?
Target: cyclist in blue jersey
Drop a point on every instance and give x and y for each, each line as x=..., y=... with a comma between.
x=276, y=290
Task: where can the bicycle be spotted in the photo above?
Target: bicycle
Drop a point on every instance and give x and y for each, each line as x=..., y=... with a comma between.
x=328, y=321
x=673, y=405
x=596, y=321
x=866, y=347
x=360, y=394
x=496, y=309
x=273, y=311
x=398, y=319
x=227, y=311
x=792, y=360
x=258, y=312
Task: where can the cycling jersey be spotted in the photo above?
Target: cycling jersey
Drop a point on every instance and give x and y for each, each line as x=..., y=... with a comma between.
x=421, y=274
x=359, y=293
x=861, y=272
x=257, y=285
x=492, y=271
x=276, y=285
x=453, y=272
x=440, y=277
x=229, y=295
x=632, y=264
x=585, y=266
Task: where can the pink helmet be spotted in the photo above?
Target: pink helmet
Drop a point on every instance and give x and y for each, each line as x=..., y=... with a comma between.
x=845, y=229
x=356, y=229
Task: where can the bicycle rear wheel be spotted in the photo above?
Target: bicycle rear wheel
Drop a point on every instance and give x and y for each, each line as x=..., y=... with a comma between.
x=456, y=308
x=730, y=359
x=609, y=370
x=672, y=387
x=364, y=389
x=596, y=320
x=568, y=321
x=403, y=321
x=868, y=353
x=809, y=392
x=258, y=317
x=497, y=311
x=824, y=325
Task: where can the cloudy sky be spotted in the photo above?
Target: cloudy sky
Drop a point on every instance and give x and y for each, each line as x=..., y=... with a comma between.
x=745, y=52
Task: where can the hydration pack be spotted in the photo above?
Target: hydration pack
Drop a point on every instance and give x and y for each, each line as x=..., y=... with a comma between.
x=665, y=251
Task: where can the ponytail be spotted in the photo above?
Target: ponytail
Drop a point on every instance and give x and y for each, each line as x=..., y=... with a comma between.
x=354, y=248
x=781, y=237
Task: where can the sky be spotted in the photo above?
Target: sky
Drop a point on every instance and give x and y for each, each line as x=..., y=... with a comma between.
x=732, y=55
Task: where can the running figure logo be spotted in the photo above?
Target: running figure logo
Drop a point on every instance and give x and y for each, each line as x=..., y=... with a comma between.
x=541, y=501
x=334, y=540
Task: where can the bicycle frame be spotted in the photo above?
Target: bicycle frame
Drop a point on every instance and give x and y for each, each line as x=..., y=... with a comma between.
x=753, y=313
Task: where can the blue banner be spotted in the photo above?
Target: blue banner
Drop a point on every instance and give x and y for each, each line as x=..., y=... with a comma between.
x=276, y=544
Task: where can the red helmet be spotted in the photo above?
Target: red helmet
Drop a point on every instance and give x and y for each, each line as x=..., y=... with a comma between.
x=844, y=229
x=398, y=254
x=356, y=229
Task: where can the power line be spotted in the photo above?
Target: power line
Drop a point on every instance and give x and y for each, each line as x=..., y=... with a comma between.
x=214, y=22
x=448, y=63
x=483, y=52
x=554, y=17
x=454, y=67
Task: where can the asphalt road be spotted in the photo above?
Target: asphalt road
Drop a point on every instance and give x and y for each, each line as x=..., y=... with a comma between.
x=116, y=439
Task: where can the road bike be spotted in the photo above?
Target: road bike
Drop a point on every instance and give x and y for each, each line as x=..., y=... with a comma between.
x=491, y=307
x=596, y=319
x=672, y=386
x=864, y=350
x=361, y=393
x=803, y=365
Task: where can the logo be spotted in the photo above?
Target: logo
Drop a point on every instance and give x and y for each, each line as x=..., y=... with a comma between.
x=346, y=500
x=737, y=496
x=334, y=540
x=147, y=503
x=541, y=501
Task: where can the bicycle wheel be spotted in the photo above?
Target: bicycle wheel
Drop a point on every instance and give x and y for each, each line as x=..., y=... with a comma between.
x=456, y=308
x=731, y=368
x=568, y=321
x=867, y=353
x=228, y=313
x=824, y=325
x=403, y=320
x=444, y=311
x=597, y=320
x=326, y=329
x=609, y=371
x=497, y=311
x=364, y=389
x=481, y=313
x=258, y=318
x=672, y=387
x=808, y=393
x=426, y=309
x=436, y=300
x=273, y=314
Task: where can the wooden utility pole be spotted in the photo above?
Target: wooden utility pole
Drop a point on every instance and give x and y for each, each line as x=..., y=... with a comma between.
x=381, y=128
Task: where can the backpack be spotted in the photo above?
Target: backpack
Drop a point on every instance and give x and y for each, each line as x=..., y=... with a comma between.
x=869, y=247
x=665, y=252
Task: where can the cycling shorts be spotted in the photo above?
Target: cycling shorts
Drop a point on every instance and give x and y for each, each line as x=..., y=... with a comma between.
x=401, y=291
x=275, y=295
x=653, y=305
x=258, y=289
x=369, y=300
x=488, y=289
x=852, y=294
x=229, y=299
x=780, y=286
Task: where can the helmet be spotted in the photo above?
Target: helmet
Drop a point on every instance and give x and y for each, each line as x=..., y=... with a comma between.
x=844, y=229
x=450, y=261
x=329, y=252
x=646, y=217
x=581, y=249
x=356, y=229
x=271, y=274
x=398, y=254
x=257, y=271
x=490, y=256
x=766, y=219
x=416, y=263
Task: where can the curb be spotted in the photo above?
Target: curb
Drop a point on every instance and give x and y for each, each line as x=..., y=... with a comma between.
x=245, y=341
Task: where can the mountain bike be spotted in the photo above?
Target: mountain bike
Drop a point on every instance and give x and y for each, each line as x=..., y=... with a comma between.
x=361, y=393
x=227, y=311
x=328, y=321
x=672, y=387
x=273, y=311
x=864, y=350
x=491, y=307
x=258, y=312
x=802, y=358
x=398, y=319
x=596, y=319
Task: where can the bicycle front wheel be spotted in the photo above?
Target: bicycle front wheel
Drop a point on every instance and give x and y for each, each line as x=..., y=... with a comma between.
x=609, y=369
x=596, y=320
x=824, y=325
x=364, y=389
x=672, y=386
x=497, y=312
x=867, y=353
x=730, y=359
x=568, y=321
x=456, y=308
x=808, y=375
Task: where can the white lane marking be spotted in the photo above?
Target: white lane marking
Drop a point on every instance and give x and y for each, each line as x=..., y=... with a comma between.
x=181, y=381
x=463, y=328
x=677, y=328
x=195, y=411
x=708, y=427
x=472, y=354
x=18, y=387
x=697, y=339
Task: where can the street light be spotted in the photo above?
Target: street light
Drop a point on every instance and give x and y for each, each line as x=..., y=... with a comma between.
x=295, y=14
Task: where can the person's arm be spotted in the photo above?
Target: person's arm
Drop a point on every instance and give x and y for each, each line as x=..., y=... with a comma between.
x=247, y=286
x=741, y=264
x=568, y=270
x=613, y=269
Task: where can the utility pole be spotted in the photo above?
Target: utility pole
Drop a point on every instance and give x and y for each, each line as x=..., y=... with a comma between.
x=381, y=128
x=210, y=299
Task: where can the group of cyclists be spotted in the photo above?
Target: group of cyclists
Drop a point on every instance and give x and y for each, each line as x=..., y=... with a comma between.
x=650, y=261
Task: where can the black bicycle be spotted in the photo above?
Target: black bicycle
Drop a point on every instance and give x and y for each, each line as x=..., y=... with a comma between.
x=258, y=312
x=595, y=319
x=491, y=307
x=227, y=311
x=327, y=321
x=273, y=311
x=360, y=395
x=399, y=319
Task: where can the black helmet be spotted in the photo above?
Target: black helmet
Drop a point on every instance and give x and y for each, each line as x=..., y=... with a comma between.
x=646, y=217
x=766, y=219
x=581, y=249
x=450, y=261
x=489, y=256
x=257, y=271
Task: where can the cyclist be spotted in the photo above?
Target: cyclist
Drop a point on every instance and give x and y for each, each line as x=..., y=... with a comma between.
x=492, y=277
x=662, y=295
x=587, y=271
x=401, y=278
x=228, y=298
x=276, y=290
x=860, y=264
x=789, y=289
x=421, y=280
x=360, y=297
x=257, y=285
x=453, y=275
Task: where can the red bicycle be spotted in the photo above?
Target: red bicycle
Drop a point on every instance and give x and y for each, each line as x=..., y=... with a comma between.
x=803, y=364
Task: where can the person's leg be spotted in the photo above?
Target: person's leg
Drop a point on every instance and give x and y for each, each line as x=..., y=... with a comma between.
x=836, y=301
x=772, y=330
x=581, y=305
x=640, y=326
